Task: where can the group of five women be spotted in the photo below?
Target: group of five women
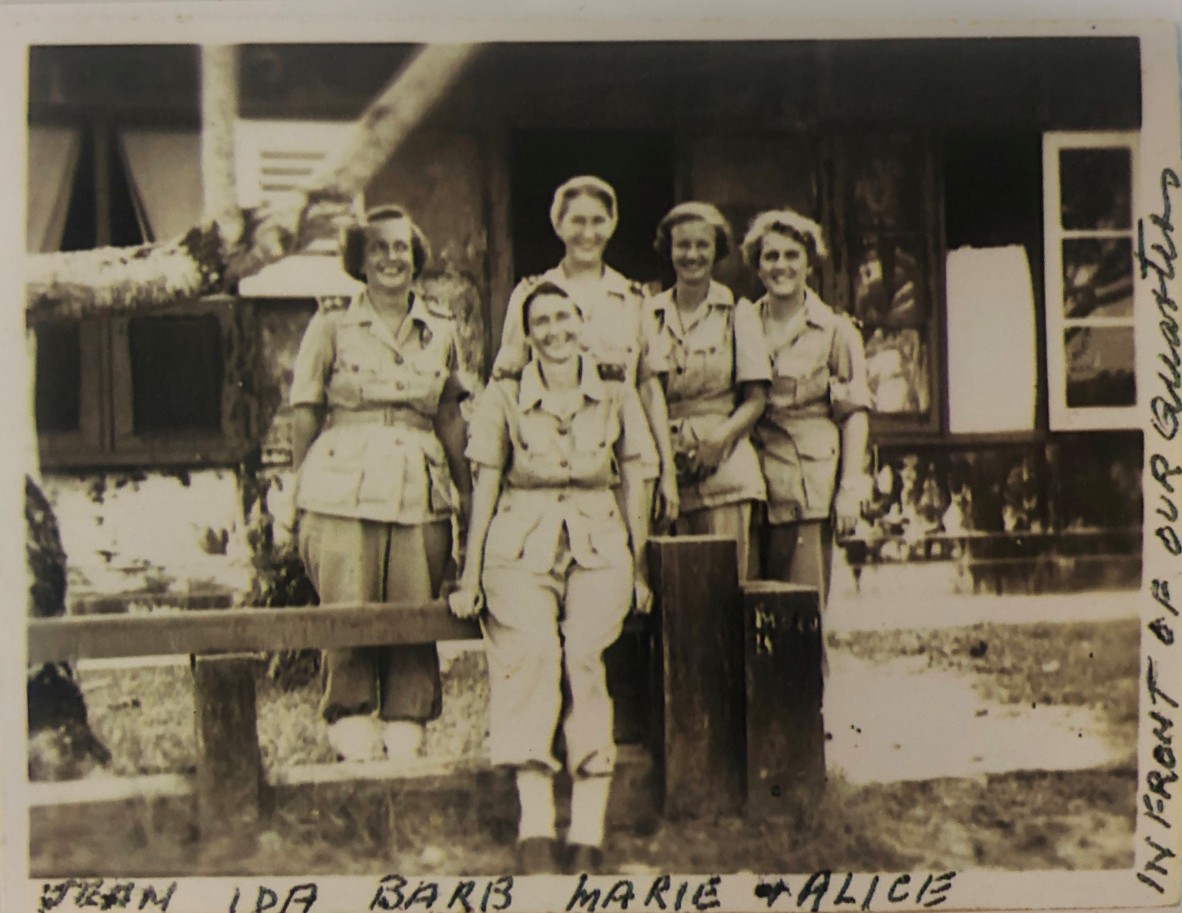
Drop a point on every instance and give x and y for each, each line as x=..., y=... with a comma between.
x=606, y=410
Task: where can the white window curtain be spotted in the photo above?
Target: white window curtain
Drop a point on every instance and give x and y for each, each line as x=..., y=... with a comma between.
x=992, y=360
x=53, y=162
x=164, y=173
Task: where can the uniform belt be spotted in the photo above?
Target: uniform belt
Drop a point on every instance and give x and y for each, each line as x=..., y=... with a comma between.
x=816, y=410
x=395, y=416
x=720, y=404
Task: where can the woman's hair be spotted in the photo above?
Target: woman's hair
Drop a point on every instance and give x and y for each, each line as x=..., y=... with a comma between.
x=353, y=243
x=694, y=212
x=541, y=290
x=586, y=185
x=789, y=223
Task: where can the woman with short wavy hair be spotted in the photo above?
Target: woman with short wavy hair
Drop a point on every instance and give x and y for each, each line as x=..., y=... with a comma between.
x=710, y=356
x=812, y=436
x=377, y=440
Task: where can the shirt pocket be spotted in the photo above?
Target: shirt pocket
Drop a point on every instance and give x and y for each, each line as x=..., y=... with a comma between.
x=331, y=475
x=606, y=531
x=507, y=535
x=384, y=478
x=818, y=448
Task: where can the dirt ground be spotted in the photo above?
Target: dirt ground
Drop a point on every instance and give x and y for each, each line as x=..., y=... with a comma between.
x=1014, y=819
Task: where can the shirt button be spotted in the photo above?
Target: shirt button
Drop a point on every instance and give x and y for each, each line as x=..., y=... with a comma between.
x=397, y=359
x=400, y=385
x=563, y=463
x=561, y=496
x=564, y=431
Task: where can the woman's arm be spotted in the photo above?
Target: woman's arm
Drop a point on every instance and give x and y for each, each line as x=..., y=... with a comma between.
x=468, y=600
x=717, y=445
x=853, y=485
x=633, y=495
x=656, y=410
x=452, y=431
x=305, y=428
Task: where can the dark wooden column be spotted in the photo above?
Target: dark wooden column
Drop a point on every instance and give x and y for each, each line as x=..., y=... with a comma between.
x=699, y=633
x=230, y=781
x=785, y=728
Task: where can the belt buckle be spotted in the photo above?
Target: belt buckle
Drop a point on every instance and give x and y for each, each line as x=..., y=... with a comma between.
x=390, y=415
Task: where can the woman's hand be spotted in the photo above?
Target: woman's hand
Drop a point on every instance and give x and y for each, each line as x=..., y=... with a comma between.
x=467, y=601
x=667, y=502
x=642, y=594
x=847, y=504
x=713, y=447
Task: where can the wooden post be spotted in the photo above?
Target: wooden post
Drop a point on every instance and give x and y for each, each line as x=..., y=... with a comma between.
x=230, y=781
x=785, y=729
x=699, y=630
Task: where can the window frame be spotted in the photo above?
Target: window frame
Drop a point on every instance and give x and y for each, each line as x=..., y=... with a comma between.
x=1061, y=416
x=107, y=437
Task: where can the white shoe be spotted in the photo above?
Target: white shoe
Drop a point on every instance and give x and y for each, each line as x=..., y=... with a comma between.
x=402, y=738
x=356, y=738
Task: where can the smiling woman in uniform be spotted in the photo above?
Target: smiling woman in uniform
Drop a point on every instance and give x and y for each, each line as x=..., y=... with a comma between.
x=812, y=436
x=377, y=439
x=710, y=356
x=556, y=555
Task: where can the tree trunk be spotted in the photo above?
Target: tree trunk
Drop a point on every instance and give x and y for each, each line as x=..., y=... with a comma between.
x=228, y=246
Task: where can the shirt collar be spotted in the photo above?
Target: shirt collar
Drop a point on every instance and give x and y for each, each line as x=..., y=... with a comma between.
x=532, y=389
x=613, y=282
x=815, y=310
x=361, y=311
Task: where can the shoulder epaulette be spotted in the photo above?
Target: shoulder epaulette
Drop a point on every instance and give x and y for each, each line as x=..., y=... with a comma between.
x=611, y=372
x=333, y=302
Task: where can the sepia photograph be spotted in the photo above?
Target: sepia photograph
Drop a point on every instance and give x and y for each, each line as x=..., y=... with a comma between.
x=599, y=457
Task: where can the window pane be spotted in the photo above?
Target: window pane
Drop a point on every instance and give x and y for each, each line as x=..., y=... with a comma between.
x=899, y=365
x=1100, y=366
x=59, y=378
x=888, y=284
x=887, y=182
x=1098, y=277
x=1095, y=188
x=176, y=374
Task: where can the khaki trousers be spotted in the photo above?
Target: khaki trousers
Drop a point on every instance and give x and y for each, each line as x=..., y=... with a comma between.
x=351, y=560
x=542, y=630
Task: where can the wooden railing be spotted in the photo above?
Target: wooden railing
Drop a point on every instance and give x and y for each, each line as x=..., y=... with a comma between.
x=718, y=650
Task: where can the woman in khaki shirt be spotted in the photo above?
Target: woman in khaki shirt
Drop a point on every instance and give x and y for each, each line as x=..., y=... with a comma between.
x=377, y=440
x=812, y=436
x=555, y=553
x=710, y=356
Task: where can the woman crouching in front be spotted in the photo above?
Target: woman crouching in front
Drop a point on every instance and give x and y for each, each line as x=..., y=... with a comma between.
x=555, y=555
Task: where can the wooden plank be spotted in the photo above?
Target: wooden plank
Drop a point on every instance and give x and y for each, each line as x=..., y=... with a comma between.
x=700, y=629
x=243, y=630
x=229, y=781
x=785, y=729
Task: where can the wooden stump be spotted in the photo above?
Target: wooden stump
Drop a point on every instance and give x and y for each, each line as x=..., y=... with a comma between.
x=699, y=630
x=230, y=784
x=785, y=728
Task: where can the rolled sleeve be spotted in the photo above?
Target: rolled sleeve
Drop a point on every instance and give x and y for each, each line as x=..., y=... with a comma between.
x=752, y=361
x=488, y=435
x=313, y=362
x=635, y=446
x=513, y=354
x=849, y=389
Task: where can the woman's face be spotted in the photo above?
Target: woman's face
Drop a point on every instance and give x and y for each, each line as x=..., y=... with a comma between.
x=389, y=255
x=585, y=228
x=554, y=325
x=692, y=245
x=783, y=265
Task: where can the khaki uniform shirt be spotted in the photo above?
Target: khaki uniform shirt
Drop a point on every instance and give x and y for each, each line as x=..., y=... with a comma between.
x=377, y=456
x=818, y=380
x=612, y=323
x=559, y=470
x=703, y=363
